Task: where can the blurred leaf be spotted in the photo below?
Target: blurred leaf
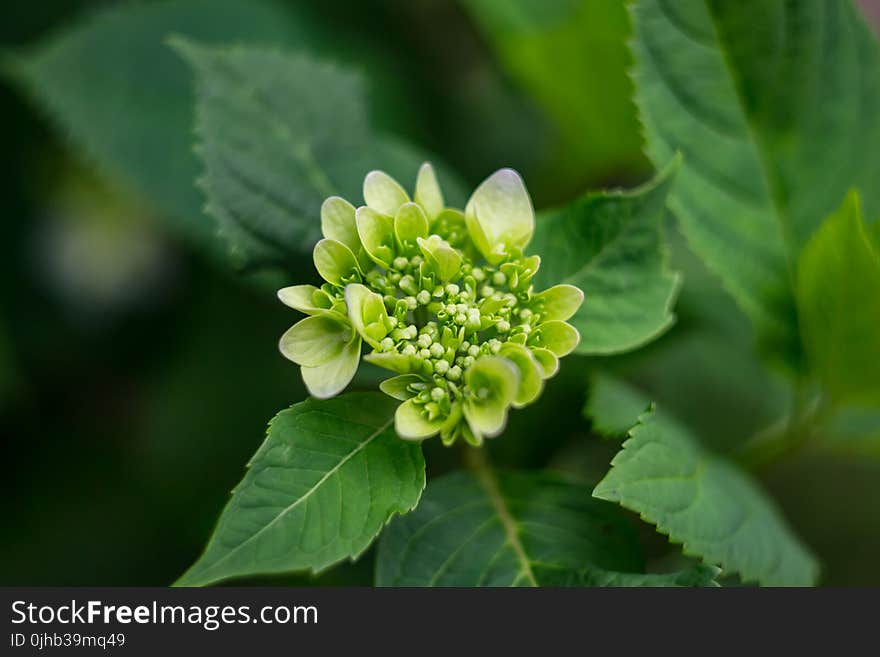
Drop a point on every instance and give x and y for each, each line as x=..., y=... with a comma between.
x=483, y=530
x=839, y=303
x=610, y=245
x=714, y=509
x=774, y=106
x=321, y=487
x=112, y=85
x=614, y=406
x=571, y=56
x=699, y=575
x=279, y=134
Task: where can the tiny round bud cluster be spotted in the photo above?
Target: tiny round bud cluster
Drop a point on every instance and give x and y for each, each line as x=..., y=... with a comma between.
x=452, y=311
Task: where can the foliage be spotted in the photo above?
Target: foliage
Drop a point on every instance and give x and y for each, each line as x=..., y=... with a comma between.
x=761, y=118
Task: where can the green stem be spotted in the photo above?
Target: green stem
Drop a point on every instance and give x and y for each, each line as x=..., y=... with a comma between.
x=477, y=460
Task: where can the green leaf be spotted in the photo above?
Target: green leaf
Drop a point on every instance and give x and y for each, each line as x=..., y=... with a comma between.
x=609, y=244
x=112, y=86
x=713, y=508
x=699, y=575
x=509, y=530
x=320, y=488
x=839, y=303
x=571, y=56
x=774, y=106
x=614, y=406
x=279, y=134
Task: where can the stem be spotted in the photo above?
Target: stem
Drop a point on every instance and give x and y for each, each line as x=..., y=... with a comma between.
x=477, y=460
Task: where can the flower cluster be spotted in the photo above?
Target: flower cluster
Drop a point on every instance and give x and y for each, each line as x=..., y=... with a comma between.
x=442, y=298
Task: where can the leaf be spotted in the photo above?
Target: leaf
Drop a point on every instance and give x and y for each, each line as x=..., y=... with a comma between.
x=699, y=575
x=124, y=99
x=320, y=488
x=839, y=302
x=571, y=57
x=508, y=530
x=278, y=134
x=613, y=405
x=714, y=509
x=774, y=106
x=609, y=244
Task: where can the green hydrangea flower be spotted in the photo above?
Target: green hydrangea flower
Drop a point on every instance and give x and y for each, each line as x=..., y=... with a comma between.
x=442, y=298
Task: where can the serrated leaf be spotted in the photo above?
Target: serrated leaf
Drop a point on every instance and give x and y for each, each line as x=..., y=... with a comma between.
x=511, y=529
x=328, y=477
x=838, y=285
x=710, y=506
x=279, y=133
x=774, y=106
x=609, y=244
x=111, y=84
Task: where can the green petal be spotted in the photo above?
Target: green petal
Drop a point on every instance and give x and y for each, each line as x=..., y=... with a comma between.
x=383, y=193
x=411, y=424
x=395, y=362
x=398, y=386
x=493, y=382
x=303, y=298
x=410, y=224
x=499, y=215
x=440, y=257
x=547, y=360
x=331, y=378
x=558, y=337
x=335, y=261
x=316, y=340
x=559, y=302
x=376, y=232
x=338, y=222
x=530, y=373
x=428, y=193
x=366, y=310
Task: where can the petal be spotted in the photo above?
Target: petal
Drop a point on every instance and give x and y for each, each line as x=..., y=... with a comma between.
x=558, y=302
x=547, y=360
x=530, y=373
x=494, y=382
x=428, y=193
x=410, y=224
x=383, y=193
x=316, y=340
x=398, y=386
x=558, y=337
x=399, y=363
x=335, y=261
x=411, y=424
x=332, y=377
x=338, y=222
x=366, y=310
x=441, y=258
x=376, y=232
x=499, y=215
x=302, y=298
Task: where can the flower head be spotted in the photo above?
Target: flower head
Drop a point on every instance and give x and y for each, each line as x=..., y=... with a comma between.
x=442, y=298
